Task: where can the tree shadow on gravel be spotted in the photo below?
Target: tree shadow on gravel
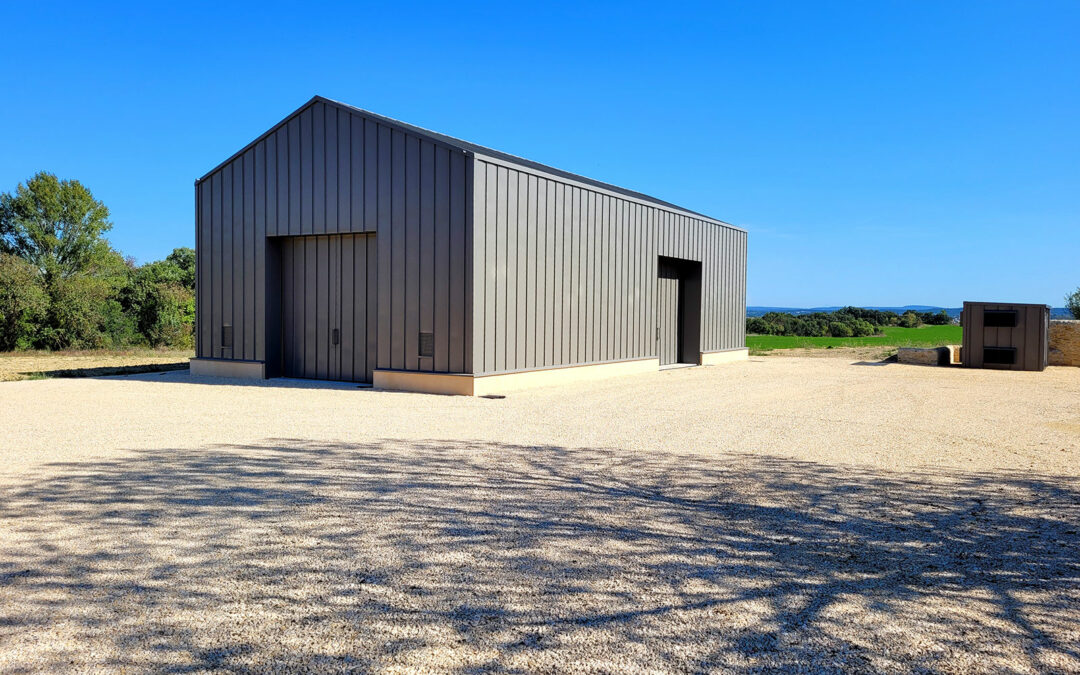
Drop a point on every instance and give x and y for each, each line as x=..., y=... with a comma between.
x=468, y=557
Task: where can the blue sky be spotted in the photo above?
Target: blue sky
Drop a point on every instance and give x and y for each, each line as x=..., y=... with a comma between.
x=879, y=153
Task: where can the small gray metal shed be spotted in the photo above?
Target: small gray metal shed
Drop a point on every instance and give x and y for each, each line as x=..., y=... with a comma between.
x=1008, y=336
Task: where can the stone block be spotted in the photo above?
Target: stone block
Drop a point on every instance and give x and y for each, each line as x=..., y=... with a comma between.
x=1064, y=342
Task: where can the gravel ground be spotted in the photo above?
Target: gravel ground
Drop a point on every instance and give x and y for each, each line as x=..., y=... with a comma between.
x=778, y=514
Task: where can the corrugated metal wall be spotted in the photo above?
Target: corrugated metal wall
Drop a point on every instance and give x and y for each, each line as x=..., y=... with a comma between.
x=565, y=273
x=327, y=170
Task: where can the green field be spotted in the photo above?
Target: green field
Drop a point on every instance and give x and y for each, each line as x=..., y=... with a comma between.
x=923, y=336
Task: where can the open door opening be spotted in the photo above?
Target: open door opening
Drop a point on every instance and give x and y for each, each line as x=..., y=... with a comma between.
x=678, y=326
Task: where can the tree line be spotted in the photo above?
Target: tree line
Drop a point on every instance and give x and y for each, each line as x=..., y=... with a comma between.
x=846, y=322
x=1072, y=303
x=63, y=286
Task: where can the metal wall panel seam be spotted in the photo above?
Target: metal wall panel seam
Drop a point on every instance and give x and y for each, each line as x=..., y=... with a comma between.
x=200, y=286
x=455, y=263
x=228, y=264
x=397, y=247
x=510, y=318
x=344, y=174
x=250, y=272
x=307, y=142
x=491, y=207
x=318, y=169
x=443, y=168
x=469, y=345
x=600, y=190
x=330, y=174
x=426, y=318
x=384, y=226
x=411, y=306
x=259, y=242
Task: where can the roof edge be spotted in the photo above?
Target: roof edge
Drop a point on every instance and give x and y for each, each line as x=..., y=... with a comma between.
x=527, y=164
x=485, y=153
x=996, y=302
x=548, y=173
x=260, y=137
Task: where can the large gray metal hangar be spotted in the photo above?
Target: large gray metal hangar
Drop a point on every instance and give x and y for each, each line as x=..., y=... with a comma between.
x=344, y=245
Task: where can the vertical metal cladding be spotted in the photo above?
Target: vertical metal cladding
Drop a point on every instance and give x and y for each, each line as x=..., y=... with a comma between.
x=564, y=273
x=324, y=297
x=667, y=299
x=330, y=170
x=1025, y=335
x=339, y=219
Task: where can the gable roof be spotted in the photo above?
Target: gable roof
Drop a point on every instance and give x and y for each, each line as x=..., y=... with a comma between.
x=474, y=149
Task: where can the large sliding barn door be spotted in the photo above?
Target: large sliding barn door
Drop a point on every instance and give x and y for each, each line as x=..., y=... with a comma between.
x=667, y=300
x=325, y=321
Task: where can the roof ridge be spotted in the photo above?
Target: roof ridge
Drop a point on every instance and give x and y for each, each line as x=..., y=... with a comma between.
x=476, y=149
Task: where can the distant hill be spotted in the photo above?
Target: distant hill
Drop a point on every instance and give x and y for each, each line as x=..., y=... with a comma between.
x=1055, y=312
x=758, y=311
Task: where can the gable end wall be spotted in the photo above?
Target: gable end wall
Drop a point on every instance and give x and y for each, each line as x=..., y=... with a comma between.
x=328, y=170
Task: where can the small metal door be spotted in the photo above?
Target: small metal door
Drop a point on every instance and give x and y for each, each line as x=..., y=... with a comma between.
x=667, y=323
x=324, y=308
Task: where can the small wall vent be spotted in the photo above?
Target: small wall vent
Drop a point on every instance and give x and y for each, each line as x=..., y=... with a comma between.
x=1005, y=356
x=427, y=344
x=999, y=318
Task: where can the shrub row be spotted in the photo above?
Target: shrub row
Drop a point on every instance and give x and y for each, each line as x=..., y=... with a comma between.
x=846, y=322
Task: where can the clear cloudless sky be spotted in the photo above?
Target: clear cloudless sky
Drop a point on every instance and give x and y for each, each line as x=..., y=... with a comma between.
x=879, y=153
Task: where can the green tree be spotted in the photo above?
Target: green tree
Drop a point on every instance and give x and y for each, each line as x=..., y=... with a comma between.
x=184, y=259
x=1072, y=303
x=940, y=318
x=909, y=319
x=757, y=326
x=22, y=302
x=83, y=310
x=174, y=317
x=55, y=225
x=161, y=300
x=862, y=328
x=840, y=329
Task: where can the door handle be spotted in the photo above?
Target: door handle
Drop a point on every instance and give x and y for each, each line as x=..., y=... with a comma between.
x=335, y=336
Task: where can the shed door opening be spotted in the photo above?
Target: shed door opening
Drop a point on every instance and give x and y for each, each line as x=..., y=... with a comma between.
x=678, y=298
x=324, y=308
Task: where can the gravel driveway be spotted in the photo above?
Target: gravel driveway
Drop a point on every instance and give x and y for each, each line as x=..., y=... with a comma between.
x=783, y=513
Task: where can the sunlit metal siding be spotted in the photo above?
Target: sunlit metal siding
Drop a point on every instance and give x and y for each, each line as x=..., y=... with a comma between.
x=566, y=273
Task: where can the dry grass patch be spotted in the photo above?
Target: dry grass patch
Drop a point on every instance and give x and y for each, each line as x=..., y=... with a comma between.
x=89, y=363
x=849, y=353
